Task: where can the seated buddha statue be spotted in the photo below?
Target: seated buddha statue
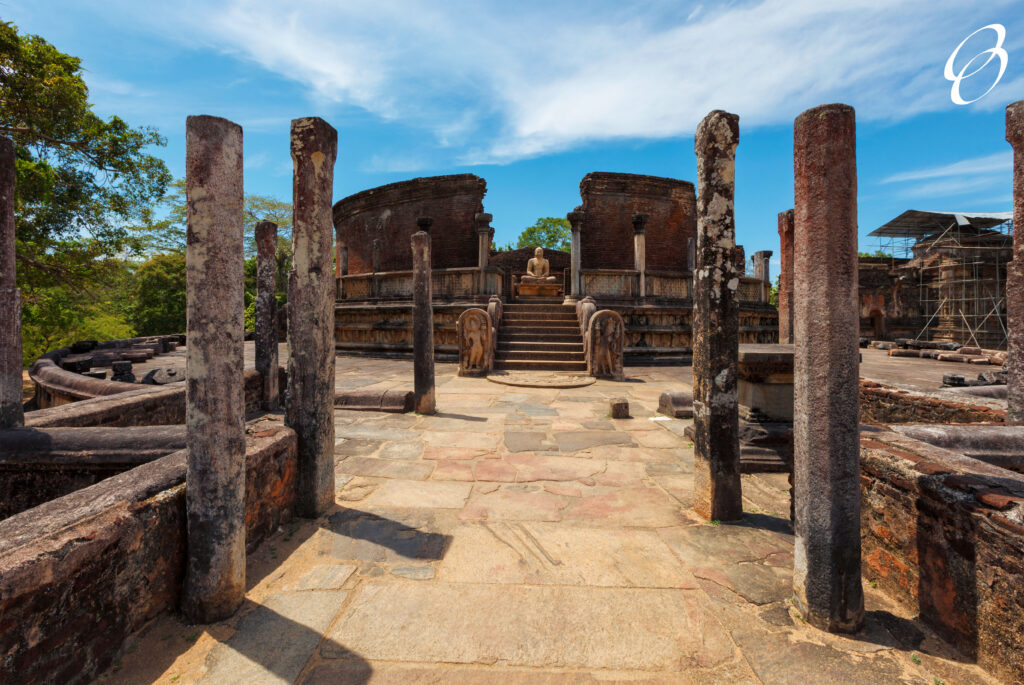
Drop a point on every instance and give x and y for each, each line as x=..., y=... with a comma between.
x=537, y=269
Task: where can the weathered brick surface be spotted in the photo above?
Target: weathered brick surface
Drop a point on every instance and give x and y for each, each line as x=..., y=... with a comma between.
x=389, y=214
x=81, y=573
x=880, y=404
x=948, y=546
x=609, y=203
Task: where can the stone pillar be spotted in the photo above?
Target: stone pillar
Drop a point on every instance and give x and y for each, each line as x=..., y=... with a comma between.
x=575, y=223
x=1015, y=269
x=266, y=312
x=483, y=250
x=716, y=476
x=640, y=250
x=762, y=259
x=826, y=473
x=691, y=255
x=11, y=413
x=739, y=258
x=215, y=400
x=376, y=255
x=342, y=259
x=786, y=277
x=310, y=403
x=422, y=320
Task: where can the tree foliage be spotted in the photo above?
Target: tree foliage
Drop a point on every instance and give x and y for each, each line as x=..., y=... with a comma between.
x=158, y=302
x=547, y=232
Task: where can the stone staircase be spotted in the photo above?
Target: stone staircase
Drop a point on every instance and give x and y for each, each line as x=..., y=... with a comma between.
x=540, y=334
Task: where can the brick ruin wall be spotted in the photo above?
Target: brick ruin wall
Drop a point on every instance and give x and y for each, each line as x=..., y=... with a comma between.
x=944, y=536
x=882, y=404
x=388, y=214
x=609, y=202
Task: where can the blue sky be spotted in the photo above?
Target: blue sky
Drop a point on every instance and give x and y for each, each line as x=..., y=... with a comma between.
x=533, y=95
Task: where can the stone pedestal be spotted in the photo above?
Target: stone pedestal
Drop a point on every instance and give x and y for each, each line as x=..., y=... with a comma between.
x=215, y=402
x=716, y=477
x=827, y=567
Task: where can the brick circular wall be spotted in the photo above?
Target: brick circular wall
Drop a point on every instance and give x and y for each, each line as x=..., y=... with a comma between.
x=609, y=202
x=389, y=213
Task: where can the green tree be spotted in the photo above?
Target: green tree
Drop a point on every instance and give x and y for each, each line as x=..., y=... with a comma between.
x=158, y=305
x=548, y=232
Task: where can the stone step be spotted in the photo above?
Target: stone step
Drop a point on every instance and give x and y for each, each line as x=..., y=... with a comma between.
x=567, y=308
x=538, y=355
x=540, y=317
x=539, y=300
x=538, y=325
x=515, y=365
x=534, y=337
x=542, y=345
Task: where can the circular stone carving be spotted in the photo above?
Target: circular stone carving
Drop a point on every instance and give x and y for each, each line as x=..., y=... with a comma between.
x=540, y=379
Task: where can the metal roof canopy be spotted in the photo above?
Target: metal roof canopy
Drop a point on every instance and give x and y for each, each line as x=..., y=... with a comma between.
x=916, y=223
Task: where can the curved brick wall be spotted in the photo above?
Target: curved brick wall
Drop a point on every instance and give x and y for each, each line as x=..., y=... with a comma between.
x=389, y=213
x=609, y=202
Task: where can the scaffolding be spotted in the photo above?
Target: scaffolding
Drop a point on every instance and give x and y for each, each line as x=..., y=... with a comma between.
x=956, y=262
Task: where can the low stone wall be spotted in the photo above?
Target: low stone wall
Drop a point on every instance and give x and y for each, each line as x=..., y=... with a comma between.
x=944, y=535
x=881, y=404
x=38, y=465
x=81, y=573
x=141, y=405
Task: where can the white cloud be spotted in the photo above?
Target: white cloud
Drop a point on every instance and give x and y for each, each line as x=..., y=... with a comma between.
x=504, y=82
x=999, y=162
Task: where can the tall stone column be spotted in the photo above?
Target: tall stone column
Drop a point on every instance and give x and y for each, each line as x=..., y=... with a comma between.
x=11, y=412
x=1015, y=269
x=826, y=472
x=762, y=260
x=422, y=320
x=214, y=393
x=640, y=250
x=716, y=446
x=786, y=277
x=483, y=249
x=310, y=402
x=575, y=223
x=266, y=312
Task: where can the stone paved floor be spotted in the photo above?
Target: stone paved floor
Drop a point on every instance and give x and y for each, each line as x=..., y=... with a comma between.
x=522, y=536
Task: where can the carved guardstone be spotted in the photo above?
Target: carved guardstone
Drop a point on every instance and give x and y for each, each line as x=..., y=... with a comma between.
x=605, y=338
x=475, y=343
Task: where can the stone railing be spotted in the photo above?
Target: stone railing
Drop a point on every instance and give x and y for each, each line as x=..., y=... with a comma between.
x=610, y=283
x=753, y=290
x=669, y=285
x=447, y=284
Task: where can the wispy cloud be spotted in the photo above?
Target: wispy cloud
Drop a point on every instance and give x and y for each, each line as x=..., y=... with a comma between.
x=502, y=82
x=999, y=162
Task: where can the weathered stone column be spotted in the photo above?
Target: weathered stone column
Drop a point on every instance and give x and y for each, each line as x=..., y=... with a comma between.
x=422, y=320
x=310, y=402
x=575, y=223
x=762, y=259
x=826, y=471
x=215, y=401
x=1015, y=269
x=739, y=258
x=483, y=250
x=11, y=413
x=786, y=277
x=716, y=446
x=266, y=312
x=640, y=250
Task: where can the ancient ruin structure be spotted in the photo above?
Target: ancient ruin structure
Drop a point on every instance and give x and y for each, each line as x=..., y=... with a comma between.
x=716, y=463
x=11, y=413
x=310, y=403
x=604, y=338
x=475, y=343
x=938, y=277
x=826, y=574
x=214, y=415
x=1015, y=277
x=266, y=311
x=423, y=319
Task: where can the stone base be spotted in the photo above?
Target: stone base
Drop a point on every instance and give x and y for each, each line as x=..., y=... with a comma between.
x=539, y=289
x=764, y=447
x=678, y=405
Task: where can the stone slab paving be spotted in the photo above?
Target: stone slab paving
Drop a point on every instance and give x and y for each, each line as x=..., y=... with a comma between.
x=522, y=536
